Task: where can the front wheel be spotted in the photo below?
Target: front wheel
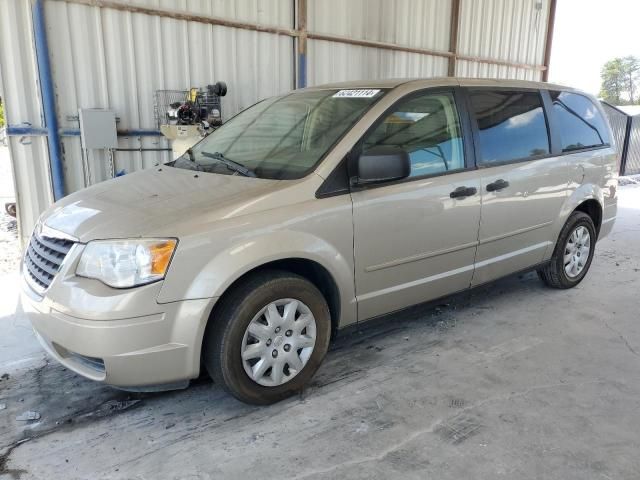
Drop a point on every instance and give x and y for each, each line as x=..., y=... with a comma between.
x=268, y=337
x=573, y=253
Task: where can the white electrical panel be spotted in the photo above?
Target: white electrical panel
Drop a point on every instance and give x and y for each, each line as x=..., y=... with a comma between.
x=98, y=128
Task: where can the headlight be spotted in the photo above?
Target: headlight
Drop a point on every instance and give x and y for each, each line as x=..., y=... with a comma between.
x=126, y=263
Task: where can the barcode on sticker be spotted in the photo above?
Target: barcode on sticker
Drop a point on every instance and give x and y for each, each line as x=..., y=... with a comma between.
x=359, y=93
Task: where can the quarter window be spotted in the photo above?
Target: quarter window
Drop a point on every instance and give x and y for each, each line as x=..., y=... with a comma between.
x=511, y=123
x=579, y=121
x=428, y=128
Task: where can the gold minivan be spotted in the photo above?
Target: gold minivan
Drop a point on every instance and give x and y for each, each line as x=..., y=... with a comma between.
x=312, y=211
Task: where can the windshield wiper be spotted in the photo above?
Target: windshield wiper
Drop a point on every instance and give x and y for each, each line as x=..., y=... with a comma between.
x=235, y=166
x=187, y=164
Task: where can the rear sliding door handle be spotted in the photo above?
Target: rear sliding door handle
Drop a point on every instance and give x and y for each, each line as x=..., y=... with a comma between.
x=497, y=185
x=462, y=192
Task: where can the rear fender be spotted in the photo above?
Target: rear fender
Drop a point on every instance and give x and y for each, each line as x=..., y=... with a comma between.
x=588, y=191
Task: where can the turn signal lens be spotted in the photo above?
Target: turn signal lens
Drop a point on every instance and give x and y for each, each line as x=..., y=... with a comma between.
x=161, y=256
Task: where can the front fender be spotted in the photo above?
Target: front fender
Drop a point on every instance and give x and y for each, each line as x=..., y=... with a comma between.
x=213, y=276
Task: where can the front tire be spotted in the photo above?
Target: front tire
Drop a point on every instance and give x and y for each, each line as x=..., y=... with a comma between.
x=268, y=337
x=573, y=253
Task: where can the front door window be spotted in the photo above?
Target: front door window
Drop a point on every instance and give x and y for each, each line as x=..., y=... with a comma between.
x=427, y=127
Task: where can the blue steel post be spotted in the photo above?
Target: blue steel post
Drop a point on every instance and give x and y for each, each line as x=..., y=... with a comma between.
x=48, y=99
x=302, y=70
x=302, y=44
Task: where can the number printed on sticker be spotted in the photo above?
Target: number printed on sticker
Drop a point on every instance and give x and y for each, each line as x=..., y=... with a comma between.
x=358, y=93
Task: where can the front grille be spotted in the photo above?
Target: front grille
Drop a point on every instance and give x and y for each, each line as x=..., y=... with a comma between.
x=43, y=258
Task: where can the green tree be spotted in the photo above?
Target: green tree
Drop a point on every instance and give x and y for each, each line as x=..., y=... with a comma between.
x=612, y=81
x=1, y=115
x=631, y=69
x=621, y=80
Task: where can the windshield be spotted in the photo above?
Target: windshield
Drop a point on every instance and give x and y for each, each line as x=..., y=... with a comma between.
x=281, y=137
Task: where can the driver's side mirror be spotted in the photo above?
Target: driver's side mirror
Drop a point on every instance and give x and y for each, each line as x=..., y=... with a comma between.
x=382, y=164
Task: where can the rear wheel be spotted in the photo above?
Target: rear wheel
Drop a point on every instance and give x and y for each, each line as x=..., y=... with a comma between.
x=573, y=253
x=268, y=337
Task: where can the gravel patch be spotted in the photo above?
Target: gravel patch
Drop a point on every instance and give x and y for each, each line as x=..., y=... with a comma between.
x=9, y=245
x=630, y=180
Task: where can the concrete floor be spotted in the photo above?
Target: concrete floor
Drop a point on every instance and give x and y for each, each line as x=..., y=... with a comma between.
x=512, y=381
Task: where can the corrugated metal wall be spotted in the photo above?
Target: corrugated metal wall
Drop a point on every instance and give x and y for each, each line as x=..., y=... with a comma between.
x=511, y=31
x=20, y=94
x=633, y=155
x=618, y=121
x=108, y=58
x=413, y=23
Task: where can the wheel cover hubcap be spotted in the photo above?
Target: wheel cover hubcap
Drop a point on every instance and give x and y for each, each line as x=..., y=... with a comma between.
x=278, y=342
x=576, y=251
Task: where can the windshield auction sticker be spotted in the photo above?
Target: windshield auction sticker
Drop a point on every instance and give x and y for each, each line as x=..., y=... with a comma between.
x=359, y=93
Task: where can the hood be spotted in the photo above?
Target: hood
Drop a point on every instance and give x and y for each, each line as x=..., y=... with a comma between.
x=140, y=203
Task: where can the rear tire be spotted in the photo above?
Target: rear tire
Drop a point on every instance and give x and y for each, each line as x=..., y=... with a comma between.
x=229, y=337
x=568, y=266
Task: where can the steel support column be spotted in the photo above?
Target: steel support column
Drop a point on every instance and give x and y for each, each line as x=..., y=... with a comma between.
x=453, y=36
x=625, y=146
x=549, y=40
x=301, y=79
x=48, y=99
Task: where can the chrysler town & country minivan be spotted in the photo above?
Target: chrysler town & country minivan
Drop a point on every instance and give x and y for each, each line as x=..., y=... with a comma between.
x=312, y=211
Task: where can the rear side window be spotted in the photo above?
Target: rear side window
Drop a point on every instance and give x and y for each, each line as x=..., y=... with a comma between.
x=579, y=121
x=511, y=125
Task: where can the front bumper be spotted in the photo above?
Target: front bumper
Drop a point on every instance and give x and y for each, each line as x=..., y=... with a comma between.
x=159, y=346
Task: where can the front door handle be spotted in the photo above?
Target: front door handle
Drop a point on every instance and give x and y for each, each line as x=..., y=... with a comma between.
x=497, y=185
x=462, y=192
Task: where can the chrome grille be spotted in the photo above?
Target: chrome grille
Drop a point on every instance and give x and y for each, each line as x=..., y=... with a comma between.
x=44, y=257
